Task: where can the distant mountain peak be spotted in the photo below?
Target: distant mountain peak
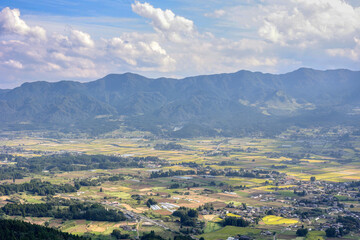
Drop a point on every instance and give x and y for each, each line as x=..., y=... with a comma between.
x=231, y=103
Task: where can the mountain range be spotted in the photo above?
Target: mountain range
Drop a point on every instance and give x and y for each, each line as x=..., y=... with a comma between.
x=222, y=104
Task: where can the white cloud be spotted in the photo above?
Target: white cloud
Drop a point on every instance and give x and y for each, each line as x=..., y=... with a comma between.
x=139, y=53
x=270, y=32
x=200, y=53
x=351, y=53
x=13, y=63
x=11, y=23
x=216, y=14
x=175, y=47
x=297, y=32
x=303, y=23
x=81, y=39
x=165, y=22
x=271, y=36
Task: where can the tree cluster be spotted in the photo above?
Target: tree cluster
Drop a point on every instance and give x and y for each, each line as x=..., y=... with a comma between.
x=171, y=173
x=188, y=216
x=116, y=233
x=235, y=221
x=302, y=232
x=94, y=212
x=168, y=146
x=19, y=230
x=80, y=162
x=150, y=202
x=36, y=186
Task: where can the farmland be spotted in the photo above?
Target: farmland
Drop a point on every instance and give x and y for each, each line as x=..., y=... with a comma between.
x=273, y=184
x=275, y=220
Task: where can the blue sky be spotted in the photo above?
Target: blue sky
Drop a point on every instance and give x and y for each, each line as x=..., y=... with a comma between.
x=59, y=11
x=85, y=40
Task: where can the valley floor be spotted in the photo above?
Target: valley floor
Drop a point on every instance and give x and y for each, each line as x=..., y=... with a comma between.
x=303, y=179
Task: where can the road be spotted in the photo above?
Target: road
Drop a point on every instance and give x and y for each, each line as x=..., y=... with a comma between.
x=141, y=217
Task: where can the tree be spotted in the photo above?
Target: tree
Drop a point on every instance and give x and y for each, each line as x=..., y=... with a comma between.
x=117, y=234
x=330, y=232
x=150, y=202
x=151, y=236
x=234, y=221
x=193, y=213
x=270, y=212
x=77, y=185
x=312, y=179
x=302, y=232
x=244, y=206
x=14, y=229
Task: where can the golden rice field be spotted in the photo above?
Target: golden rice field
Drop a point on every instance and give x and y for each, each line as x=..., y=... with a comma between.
x=253, y=180
x=329, y=174
x=269, y=187
x=196, y=149
x=232, y=215
x=276, y=220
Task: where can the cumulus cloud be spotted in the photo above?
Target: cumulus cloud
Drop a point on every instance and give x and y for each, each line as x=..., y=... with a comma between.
x=135, y=52
x=11, y=23
x=272, y=36
x=302, y=22
x=198, y=53
x=165, y=22
x=297, y=32
x=74, y=54
x=30, y=49
x=82, y=39
x=175, y=47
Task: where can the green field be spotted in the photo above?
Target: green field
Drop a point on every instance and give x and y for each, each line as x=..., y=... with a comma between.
x=227, y=193
x=229, y=231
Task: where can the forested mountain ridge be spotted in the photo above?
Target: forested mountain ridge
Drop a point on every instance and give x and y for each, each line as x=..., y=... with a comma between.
x=229, y=104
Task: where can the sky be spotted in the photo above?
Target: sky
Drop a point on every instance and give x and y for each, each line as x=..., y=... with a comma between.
x=85, y=40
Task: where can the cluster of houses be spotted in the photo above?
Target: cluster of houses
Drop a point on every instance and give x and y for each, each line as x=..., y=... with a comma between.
x=320, y=195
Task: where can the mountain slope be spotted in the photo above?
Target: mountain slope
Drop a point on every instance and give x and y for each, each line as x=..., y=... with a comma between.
x=229, y=104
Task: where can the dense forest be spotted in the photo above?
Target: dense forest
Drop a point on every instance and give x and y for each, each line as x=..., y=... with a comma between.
x=79, y=162
x=171, y=173
x=87, y=211
x=71, y=162
x=36, y=186
x=18, y=230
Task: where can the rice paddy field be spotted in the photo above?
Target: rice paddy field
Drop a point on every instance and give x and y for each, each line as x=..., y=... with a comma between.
x=228, y=231
x=195, y=150
x=193, y=191
x=276, y=220
x=200, y=151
